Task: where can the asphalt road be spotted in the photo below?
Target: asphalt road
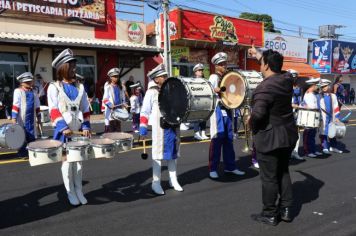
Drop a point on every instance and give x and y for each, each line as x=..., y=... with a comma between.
x=33, y=199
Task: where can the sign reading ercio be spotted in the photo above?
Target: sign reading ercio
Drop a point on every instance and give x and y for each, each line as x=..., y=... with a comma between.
x=343, y=57
x=321, y=60
x=135, y=33
x=292, y=48
x=88, y=12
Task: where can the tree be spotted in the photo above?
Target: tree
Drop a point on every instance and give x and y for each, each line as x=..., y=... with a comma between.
x=267, y=19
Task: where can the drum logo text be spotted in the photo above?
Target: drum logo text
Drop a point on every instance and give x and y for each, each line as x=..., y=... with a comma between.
x=197, y=88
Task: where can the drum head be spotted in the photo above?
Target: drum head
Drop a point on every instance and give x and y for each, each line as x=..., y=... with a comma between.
x=117, y=135
x=77, y=144
x=102, y=142
x=173, y=101
x=120, y=114
x=235, y=86
x=14, y=136
x=44, y=144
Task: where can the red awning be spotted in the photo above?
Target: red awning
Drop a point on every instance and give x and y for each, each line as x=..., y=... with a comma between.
x=303, y=69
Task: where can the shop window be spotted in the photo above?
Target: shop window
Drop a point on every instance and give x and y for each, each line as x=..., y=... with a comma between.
x=86, y=68
x=126, y=61
x=13, y=57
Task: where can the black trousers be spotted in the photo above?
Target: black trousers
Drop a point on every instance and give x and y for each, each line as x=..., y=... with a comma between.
x=274, y=172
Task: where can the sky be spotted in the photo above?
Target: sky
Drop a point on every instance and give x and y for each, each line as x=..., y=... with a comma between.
x=288, y=15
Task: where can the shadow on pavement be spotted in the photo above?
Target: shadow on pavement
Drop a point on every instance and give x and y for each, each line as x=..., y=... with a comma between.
x=305, y=191
x=27, y=208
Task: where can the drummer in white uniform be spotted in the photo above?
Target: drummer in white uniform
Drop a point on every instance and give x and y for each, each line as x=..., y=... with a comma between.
x=114, y=96
x=165, y=138
x=330, y=112
x=69, y=111
x=25, y=109
x=221, y=131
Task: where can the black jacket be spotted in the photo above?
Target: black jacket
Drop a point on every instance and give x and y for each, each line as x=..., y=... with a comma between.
x=272, y=120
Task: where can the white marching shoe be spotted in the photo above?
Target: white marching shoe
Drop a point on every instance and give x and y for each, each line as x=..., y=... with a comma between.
x=78, y=177
x=335, y=150
x=326, y=151
x=235, y=172
x=67, y=175
x=203, y=135
x=197, y=136
x=213, y=175
x=156, y=178
x=173, y=181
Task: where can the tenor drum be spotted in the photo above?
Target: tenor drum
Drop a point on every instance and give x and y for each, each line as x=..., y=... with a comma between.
x=44, y=152
x=239, y=86
x=308, y=118
x=123, y=141
x=103, y=148
x=78, y=151
x=80, y=138
x=120, y=114
x=186, y=100
x=12, y=136
x=44, y=114
x=336, y=130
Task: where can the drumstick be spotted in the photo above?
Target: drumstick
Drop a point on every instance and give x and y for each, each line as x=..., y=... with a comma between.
x=144, y=155
x=81, y=132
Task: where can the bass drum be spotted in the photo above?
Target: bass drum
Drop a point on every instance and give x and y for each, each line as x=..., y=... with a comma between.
x=12, y=136
x=239, y=86
x=186, y=100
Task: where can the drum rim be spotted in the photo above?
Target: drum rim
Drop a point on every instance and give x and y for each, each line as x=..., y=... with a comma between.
x=246, y=90
x=84, y=145
x=6, y=138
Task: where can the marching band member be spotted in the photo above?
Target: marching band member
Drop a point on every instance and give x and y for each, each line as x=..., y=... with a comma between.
x=221, y=131
x=69, y=111
x=330, y=112
x=310, y=102
x=25, y=109
x=135, y=107
x=165, y=138
x=113, y=97
x=296, y=102
x=199, y=126
x=338, y=90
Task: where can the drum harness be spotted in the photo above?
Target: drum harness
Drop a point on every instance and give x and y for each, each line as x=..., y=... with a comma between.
x=70, y=109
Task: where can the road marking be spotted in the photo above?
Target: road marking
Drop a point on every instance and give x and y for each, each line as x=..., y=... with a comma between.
x=12, y=161
x=6, y=153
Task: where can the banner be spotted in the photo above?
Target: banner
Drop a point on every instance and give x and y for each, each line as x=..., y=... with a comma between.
x=343, y=57
x=179, y=54
x=292, y=48
x=192, y=25
x=87, y=12
x=321, y=60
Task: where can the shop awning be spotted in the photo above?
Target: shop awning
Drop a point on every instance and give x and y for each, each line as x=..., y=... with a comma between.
x=32, y=39
x=303, y=69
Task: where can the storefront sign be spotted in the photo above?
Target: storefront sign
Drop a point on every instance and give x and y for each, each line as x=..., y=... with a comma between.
x=180, y=54
x=321, y=60
x=87, y=12
x=135, y=33
x=292, y=48
x=344, y=57
x=198, y=56
x=193, y=25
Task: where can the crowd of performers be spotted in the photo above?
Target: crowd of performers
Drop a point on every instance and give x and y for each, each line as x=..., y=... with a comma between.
x=69, y=112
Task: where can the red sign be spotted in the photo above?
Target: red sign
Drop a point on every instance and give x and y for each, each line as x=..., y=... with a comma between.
x=192, y=25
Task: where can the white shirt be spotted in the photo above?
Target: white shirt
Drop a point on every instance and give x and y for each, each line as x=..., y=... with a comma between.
x=310, y=100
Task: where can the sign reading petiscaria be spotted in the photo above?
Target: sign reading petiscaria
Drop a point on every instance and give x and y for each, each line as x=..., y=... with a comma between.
x=223, y=29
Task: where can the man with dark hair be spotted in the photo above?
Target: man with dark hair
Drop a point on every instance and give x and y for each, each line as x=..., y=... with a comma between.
x=275, y=135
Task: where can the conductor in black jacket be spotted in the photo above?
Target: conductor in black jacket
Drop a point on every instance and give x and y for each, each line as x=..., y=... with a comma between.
x=275, y=135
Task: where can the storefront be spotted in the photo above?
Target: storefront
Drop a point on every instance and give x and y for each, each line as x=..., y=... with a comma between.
x=32, y=34
x=333, y=58
x=197, y=36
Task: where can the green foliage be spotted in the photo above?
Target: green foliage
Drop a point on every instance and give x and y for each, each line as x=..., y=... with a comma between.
x=267, y=19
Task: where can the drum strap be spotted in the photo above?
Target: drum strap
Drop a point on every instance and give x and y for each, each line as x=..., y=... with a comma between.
x=331, y=106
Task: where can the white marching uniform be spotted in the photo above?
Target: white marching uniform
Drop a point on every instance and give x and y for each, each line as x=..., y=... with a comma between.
x=334, y=113
x=113, y=96
x=162, y=142
x=214, y=80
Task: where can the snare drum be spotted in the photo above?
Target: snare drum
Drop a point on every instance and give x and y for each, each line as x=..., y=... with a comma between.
x=12, y=136
x=80, y=138
x=120, y=114
x=336, y=130
x=44, y=114
x=123, y=141
x=44, y=152
x=308, y=118
x=103, y=148
x=78, y=151
x=186, y=100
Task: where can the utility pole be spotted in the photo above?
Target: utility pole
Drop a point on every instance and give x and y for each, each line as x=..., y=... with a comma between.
x=166, y=37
